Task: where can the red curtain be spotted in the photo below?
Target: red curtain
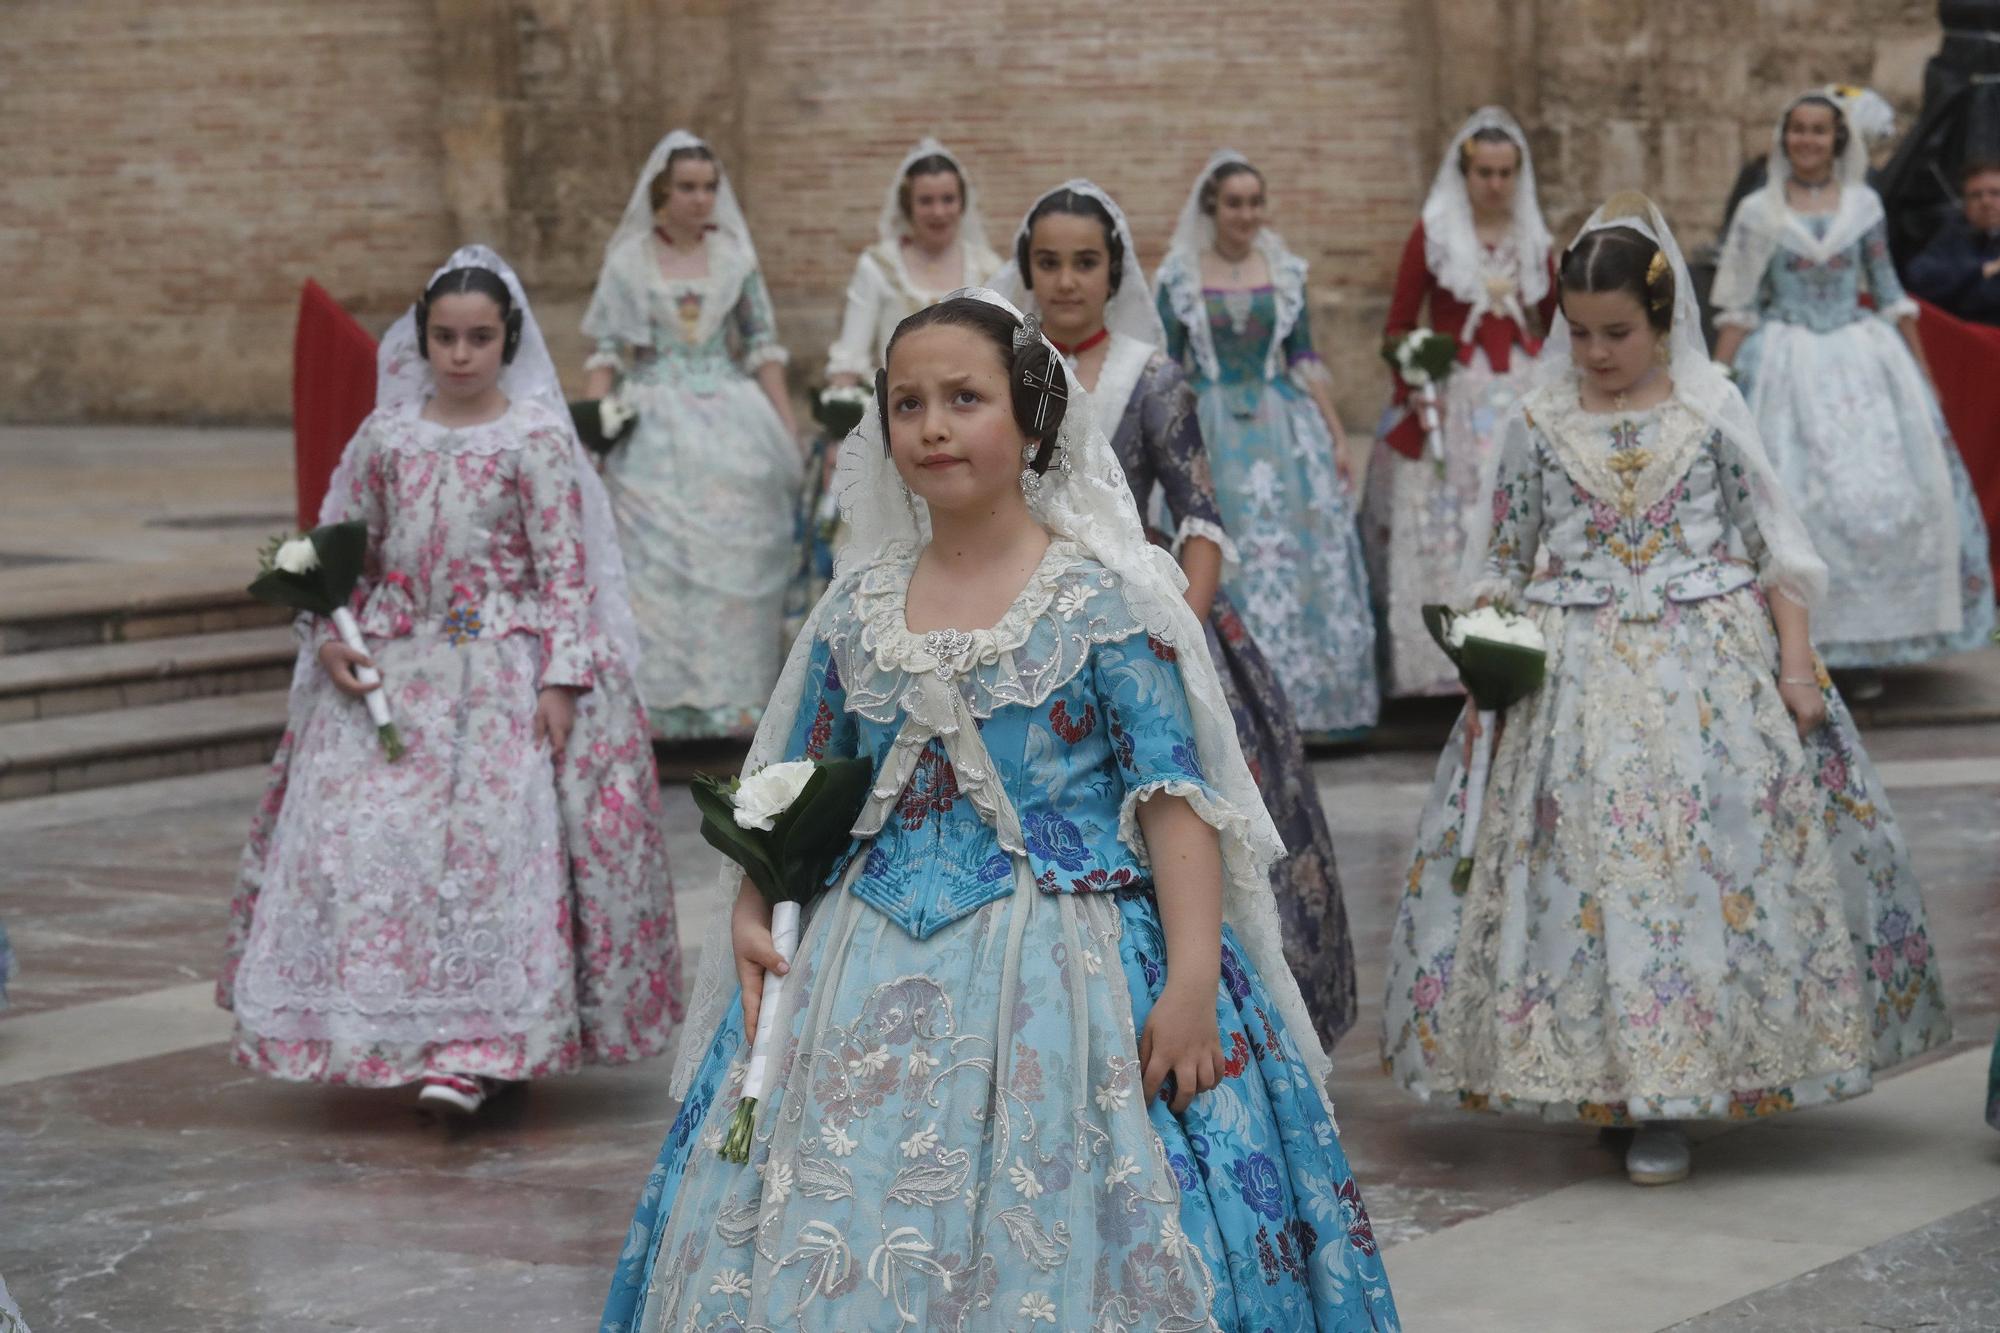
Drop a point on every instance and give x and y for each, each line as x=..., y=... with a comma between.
x=333, y=391
x=1965, y=360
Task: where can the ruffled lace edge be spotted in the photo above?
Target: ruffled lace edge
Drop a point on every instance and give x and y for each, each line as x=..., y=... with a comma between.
x=881, y=600
x=1737, y=319
x=757, y=358
x=1192, y=527
x=403, y=431
x=1218, y=814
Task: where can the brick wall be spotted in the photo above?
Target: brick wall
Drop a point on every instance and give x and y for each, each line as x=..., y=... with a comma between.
x=173, y=171
x=173, y=176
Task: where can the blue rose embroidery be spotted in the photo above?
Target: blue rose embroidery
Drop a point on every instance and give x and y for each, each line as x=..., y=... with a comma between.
x=1053, y=838
x=1257, y=1179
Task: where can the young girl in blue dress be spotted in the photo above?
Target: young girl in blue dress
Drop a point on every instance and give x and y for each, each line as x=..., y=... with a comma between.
x=1039, y=1061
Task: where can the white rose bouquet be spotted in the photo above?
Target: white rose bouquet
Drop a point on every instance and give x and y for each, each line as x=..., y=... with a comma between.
x=784, y=825
x=1422, y=359
x=839, y=409
x=316, y=572
x=1501, y=659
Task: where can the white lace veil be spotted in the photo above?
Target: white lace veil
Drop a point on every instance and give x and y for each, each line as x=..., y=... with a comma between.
x=891, y=226
x=1765, y=221
x=618, y=306
x=1092, y=506
x=1180, y=273
x=1792, y=566
x=1451, y=244
x=403, y=384
x=1131, y=309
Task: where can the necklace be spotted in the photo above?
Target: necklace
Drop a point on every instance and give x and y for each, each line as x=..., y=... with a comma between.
x=1619, y=400
x=1073, y=350
x=1235, y=262
x=1814, y=188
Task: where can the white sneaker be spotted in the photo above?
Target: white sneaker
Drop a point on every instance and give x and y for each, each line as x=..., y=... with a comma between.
x=1659, y=1154
x=454, y=1094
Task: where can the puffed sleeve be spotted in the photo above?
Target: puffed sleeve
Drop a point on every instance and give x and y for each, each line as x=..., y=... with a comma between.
x=552, y=512
x=1890, y=298
x=1414, y=281
x=1170, y=429
x=1299, y=350
x=1517, y=513
x=854, y=351
x=824, y=729
x=1143, y=699
x=757, y=325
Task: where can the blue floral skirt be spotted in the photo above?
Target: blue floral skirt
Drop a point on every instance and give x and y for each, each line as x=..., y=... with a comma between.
x=911, y=1171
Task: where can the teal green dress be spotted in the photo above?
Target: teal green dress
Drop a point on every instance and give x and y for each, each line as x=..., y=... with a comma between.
x=1301, y=585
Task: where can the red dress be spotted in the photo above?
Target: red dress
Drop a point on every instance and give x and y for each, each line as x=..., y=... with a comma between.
x=1497, y=334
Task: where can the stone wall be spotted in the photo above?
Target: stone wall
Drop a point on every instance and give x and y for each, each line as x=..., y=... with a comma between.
x=173, y=172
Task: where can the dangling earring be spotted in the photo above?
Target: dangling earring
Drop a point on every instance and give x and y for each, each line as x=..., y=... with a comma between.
x=1031, y=480
x=1662, y=353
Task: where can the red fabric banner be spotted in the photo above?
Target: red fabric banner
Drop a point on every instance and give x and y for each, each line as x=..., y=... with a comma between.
x=1965, y=361
x=333, y=391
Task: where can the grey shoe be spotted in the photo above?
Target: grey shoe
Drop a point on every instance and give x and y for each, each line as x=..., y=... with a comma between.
x=1658, y=1155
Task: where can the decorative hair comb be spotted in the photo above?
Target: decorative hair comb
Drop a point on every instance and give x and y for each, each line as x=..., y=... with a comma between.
x=1656, y=268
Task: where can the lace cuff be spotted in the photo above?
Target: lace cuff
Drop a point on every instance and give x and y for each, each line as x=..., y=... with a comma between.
x=1737, y=319
x=1308, y=370
x=764, y=354
x=1215, y=812
x=1201, y=527
x=848, y=361
x=1901, y=309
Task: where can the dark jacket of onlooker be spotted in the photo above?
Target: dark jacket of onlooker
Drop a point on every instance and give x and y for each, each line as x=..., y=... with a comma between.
x=1950, y=273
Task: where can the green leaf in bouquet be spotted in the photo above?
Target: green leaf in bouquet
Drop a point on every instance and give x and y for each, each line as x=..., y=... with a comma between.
x=341, y=548
x=1500, y=675
x=1437, y=619
x=587, y=414
x=821, y=822
x=749, y=848
x=838, y=417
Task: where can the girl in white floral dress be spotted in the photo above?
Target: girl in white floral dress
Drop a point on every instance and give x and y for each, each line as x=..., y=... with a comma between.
x=494, y=905
x=1689, y=896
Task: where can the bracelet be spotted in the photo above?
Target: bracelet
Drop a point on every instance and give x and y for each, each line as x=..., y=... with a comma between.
x=1799, y=680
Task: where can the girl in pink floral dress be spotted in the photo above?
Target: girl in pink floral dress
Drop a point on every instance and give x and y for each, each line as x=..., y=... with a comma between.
x=495, y=905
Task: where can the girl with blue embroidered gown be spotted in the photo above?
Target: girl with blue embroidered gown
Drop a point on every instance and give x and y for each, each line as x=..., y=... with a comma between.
x=1233, y=300
x=1845, y=404
x=1039, y=1058
x=1689, y=897
x=1085, y=284
x=706, y=488
x=494, y=905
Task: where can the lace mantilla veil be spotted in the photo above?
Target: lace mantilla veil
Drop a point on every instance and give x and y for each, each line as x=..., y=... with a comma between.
x=1765, y=221
x=1091, y=506
x=617, y=306
x=403, y=384
x=891, y=226
x=1130, y=311
x=1194, y=232
x=1451, y=244
x=1793, y=567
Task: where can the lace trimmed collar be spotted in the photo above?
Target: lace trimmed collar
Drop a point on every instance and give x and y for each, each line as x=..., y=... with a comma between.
x=410, y=433
x=881, y=602
x=1578, y=438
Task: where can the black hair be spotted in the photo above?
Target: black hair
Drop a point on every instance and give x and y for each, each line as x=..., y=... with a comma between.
x=1075, y=204
x=1840, y=131
x=1487, y=134
x=483, y=281
x=1211, y=189
x=1976, y=166
x=933, y=164
x=1620, y=259
x=658, y=187
x=1033, y=363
